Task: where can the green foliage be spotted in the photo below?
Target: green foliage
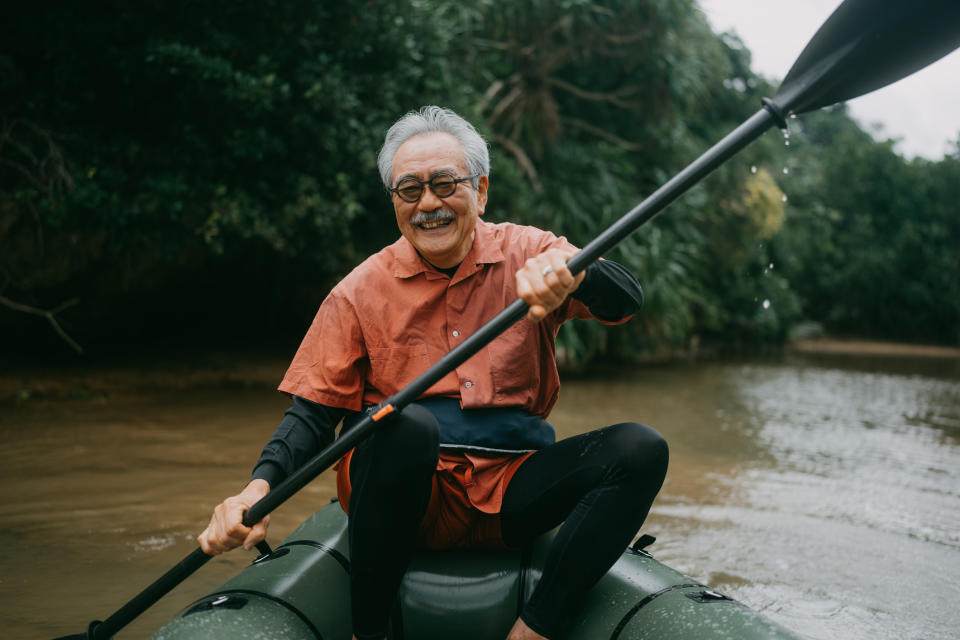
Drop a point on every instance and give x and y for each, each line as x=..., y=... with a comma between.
x=875, y=247
x=212, y=129
x=220, y=157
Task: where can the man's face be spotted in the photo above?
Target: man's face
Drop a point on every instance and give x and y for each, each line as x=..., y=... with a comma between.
x=445, y=237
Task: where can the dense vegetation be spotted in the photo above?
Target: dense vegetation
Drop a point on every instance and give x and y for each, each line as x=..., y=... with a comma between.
x=204, y=172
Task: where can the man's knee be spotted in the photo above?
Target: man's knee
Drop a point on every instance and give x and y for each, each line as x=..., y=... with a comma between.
x=411, y=438
x=642, y=450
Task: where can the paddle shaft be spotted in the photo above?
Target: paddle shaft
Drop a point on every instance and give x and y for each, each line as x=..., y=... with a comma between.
x=146, y=598
x=149, y=596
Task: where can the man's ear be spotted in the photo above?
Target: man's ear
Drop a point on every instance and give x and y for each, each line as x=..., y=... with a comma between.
x=482, y=186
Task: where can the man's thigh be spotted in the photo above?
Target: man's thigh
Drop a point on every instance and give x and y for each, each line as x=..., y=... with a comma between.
x=550, y=484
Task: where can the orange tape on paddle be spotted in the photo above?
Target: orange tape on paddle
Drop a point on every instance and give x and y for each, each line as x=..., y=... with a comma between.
x=382, y=413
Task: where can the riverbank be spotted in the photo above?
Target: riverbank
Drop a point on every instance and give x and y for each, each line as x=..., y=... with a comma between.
x=97, y=379
x=827, y=346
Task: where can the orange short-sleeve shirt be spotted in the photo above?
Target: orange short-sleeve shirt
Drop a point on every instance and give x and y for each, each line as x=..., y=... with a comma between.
x=395, y=315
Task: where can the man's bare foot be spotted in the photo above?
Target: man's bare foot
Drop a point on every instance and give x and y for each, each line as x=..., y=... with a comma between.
x=521, y=631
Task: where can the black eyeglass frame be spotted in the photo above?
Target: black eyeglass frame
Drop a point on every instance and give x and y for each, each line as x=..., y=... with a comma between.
x=429, y=183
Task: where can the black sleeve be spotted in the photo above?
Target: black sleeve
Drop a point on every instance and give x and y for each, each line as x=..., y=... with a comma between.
x=306, y=428
x=610, y=291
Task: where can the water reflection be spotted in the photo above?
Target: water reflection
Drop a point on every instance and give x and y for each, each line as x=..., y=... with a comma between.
x=827, y=495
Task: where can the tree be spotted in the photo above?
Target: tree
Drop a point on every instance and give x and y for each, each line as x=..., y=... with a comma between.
x=220, y=155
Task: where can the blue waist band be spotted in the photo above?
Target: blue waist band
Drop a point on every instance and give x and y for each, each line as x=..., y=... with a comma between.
x=496, y=428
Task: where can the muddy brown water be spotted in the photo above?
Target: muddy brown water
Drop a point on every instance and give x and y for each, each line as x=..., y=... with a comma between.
x=823, y=491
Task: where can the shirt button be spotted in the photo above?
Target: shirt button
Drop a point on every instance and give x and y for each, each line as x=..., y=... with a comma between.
x=468, y=384
x=456, y=334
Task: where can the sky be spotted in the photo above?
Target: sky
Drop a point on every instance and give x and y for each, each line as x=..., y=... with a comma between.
x=922, y=110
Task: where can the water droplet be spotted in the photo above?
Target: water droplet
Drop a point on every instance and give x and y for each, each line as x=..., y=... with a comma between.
x=770, y=266
x=766, y=304
x=783, y=198
x=786, y=171
x=753, y=169
x=793, y=116
x=786, y=133
x=786, y=143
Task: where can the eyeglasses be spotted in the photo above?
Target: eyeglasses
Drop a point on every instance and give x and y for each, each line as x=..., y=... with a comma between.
x=442, y=185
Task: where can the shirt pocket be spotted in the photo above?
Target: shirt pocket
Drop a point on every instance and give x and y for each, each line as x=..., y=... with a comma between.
x=515, y=363
x=393, y=368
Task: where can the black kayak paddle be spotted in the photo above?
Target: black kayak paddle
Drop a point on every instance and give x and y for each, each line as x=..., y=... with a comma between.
x=863, y=46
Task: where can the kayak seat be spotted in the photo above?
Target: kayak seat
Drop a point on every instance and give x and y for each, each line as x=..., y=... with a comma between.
x=472, y=595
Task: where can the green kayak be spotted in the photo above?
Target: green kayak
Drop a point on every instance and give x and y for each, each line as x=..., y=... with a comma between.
x=301, y=591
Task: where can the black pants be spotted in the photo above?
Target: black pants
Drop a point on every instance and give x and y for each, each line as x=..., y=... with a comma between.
x=600, y=485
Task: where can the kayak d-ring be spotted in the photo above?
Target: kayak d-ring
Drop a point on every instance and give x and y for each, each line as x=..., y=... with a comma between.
x=640, y=546
x=225, y=601
x=273, y=555
x=708, y=595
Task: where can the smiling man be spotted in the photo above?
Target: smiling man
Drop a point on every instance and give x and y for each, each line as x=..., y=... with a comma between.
x=473, y=463
x=439, y=221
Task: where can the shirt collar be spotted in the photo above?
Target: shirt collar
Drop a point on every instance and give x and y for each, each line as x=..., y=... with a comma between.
x=485, y=250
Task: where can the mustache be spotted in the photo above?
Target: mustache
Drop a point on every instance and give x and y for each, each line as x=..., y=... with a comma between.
x=437, y=215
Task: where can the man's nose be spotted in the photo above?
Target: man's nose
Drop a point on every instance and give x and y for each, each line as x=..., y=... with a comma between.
x=429, y=201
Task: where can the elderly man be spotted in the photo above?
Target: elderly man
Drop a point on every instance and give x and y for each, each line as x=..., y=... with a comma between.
x=473, y=463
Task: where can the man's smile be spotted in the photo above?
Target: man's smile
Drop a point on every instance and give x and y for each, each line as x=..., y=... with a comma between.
x=434, y=225
x=428, y=220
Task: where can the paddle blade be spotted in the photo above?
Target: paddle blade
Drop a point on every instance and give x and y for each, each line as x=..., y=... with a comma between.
x=866, y=45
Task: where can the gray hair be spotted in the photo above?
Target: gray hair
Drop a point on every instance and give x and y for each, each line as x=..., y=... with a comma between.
x=433, y=119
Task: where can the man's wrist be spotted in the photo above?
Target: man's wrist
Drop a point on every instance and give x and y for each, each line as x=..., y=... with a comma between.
x=256, y=488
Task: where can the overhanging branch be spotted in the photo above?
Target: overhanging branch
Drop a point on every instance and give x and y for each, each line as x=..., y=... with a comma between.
x=49, y=314
x=609, y=137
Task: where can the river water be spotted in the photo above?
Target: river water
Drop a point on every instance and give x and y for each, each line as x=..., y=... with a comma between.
x=823, y=491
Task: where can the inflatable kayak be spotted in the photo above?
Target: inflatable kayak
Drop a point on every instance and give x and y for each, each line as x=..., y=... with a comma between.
x=301, y=591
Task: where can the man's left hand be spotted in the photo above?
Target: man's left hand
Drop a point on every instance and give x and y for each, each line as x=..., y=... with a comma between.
x=544, y=282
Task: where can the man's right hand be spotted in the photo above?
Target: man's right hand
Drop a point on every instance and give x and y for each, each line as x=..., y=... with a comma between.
x=226, y=530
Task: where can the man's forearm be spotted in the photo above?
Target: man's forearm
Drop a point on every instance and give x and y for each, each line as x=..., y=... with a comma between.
x=306, y=428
